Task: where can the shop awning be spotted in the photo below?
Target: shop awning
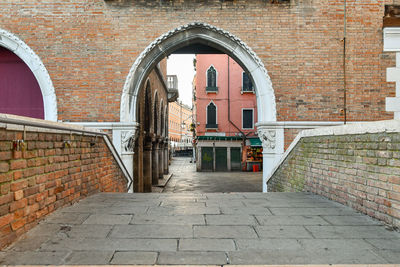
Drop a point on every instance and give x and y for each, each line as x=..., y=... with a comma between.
x=255, y=141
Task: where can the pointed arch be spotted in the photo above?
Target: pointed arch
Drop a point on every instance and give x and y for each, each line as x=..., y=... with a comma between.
x=211, y=115
x=155, y=113
x=199, y=33
x=211, y=77
x=31, y=59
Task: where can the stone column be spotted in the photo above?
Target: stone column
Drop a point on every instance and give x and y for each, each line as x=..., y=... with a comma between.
x=272, y=141
x=228, y=159
x=161, y=161
x=166, y=159
x=155, y=163
x=138, y=166
x=147, y=166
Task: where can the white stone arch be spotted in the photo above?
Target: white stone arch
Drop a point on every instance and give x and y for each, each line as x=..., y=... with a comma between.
x=24, y=52
x=206, y=34
x=203, y=33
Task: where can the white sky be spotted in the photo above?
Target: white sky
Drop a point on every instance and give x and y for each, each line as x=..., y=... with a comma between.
x=182, y=66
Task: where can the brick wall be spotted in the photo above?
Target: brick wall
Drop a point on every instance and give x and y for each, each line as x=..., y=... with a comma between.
x=46, y=176
x=358, y=170
x=89, y=46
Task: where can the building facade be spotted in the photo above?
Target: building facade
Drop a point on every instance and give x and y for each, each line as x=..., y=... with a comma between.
x=226, y=115
x=180, y=120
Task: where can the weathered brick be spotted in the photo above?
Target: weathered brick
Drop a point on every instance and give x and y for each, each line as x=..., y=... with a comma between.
x=6, y=219
x=18, y=195
x=4, y=167
x=18, y=164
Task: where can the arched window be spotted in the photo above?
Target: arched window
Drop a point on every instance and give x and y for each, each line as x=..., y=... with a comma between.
x=247, y=85
x=147, y=103
x=211, y=80
x=155, y=114
x=211, y=116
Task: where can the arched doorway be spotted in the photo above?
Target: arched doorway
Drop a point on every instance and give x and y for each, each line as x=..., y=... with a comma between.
x=208, y=35
x=40, y=86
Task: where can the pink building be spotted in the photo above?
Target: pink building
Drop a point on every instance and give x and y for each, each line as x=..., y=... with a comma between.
x=226, y=113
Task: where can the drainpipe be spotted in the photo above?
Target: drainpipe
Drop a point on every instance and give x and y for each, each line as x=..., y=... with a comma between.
x=344, y=63
x=229, y=105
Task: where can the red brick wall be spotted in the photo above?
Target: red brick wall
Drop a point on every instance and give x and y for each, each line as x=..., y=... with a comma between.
x=89, y=46
x=46, y=176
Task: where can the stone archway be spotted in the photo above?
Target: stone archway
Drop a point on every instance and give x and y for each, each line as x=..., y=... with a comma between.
x=203, y=33
x=23, y=51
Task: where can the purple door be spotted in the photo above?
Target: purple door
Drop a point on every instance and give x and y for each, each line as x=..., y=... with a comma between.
x=19, y=90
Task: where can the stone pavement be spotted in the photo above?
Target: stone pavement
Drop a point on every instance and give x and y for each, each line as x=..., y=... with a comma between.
x=206, y=228
x=186, y=179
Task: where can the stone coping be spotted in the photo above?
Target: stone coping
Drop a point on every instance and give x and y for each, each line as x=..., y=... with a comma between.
x=230, y=265
x=21, y=123
x=387, y=126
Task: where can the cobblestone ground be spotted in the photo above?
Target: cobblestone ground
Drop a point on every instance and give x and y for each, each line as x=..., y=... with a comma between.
x=206, y=228
x=186, y=179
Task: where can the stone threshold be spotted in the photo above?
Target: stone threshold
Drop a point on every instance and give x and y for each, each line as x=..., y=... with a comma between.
x=226, y=265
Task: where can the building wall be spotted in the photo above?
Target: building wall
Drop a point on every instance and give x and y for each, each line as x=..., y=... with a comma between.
x=179, y=113
x=238, y=101
x=44, y=175
x=89, y=46
x=356, y=165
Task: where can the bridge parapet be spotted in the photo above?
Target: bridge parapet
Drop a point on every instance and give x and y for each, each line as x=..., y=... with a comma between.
x=357, y=165
x=47, y=165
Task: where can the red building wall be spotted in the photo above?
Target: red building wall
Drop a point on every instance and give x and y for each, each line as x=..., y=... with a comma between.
x=236, y=101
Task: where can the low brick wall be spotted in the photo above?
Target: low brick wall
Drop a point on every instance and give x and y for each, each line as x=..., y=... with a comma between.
x=53, y=169
x=357, y=165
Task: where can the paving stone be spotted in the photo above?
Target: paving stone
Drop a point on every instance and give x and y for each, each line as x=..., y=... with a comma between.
x=267, y=244
x=67, y=217
x=351, y=220
x=183, y=210
x=204, y=244
x=315, y=244
x=162, y=219
x=34, y=258
x=312, y=211
x=109, y=219
x=151, y=231
x=89, y=257
x=29, y=244
x=282, y=231
x=224, y=232
x=390, y=256
x=387, y=243
x=225, y=203
x=230, y=220
x=183, y=204
x=108, y=244
x=351, y=232
x=44, y=229
x=186, y=257
x=291, y=220
x=246, y=210
x=85, y=230
x=134, y=257
x=299, y=256
x=124, y=210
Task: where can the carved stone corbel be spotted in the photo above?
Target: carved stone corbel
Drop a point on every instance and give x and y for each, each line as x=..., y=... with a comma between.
x=128, y=139
x=268, y=138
